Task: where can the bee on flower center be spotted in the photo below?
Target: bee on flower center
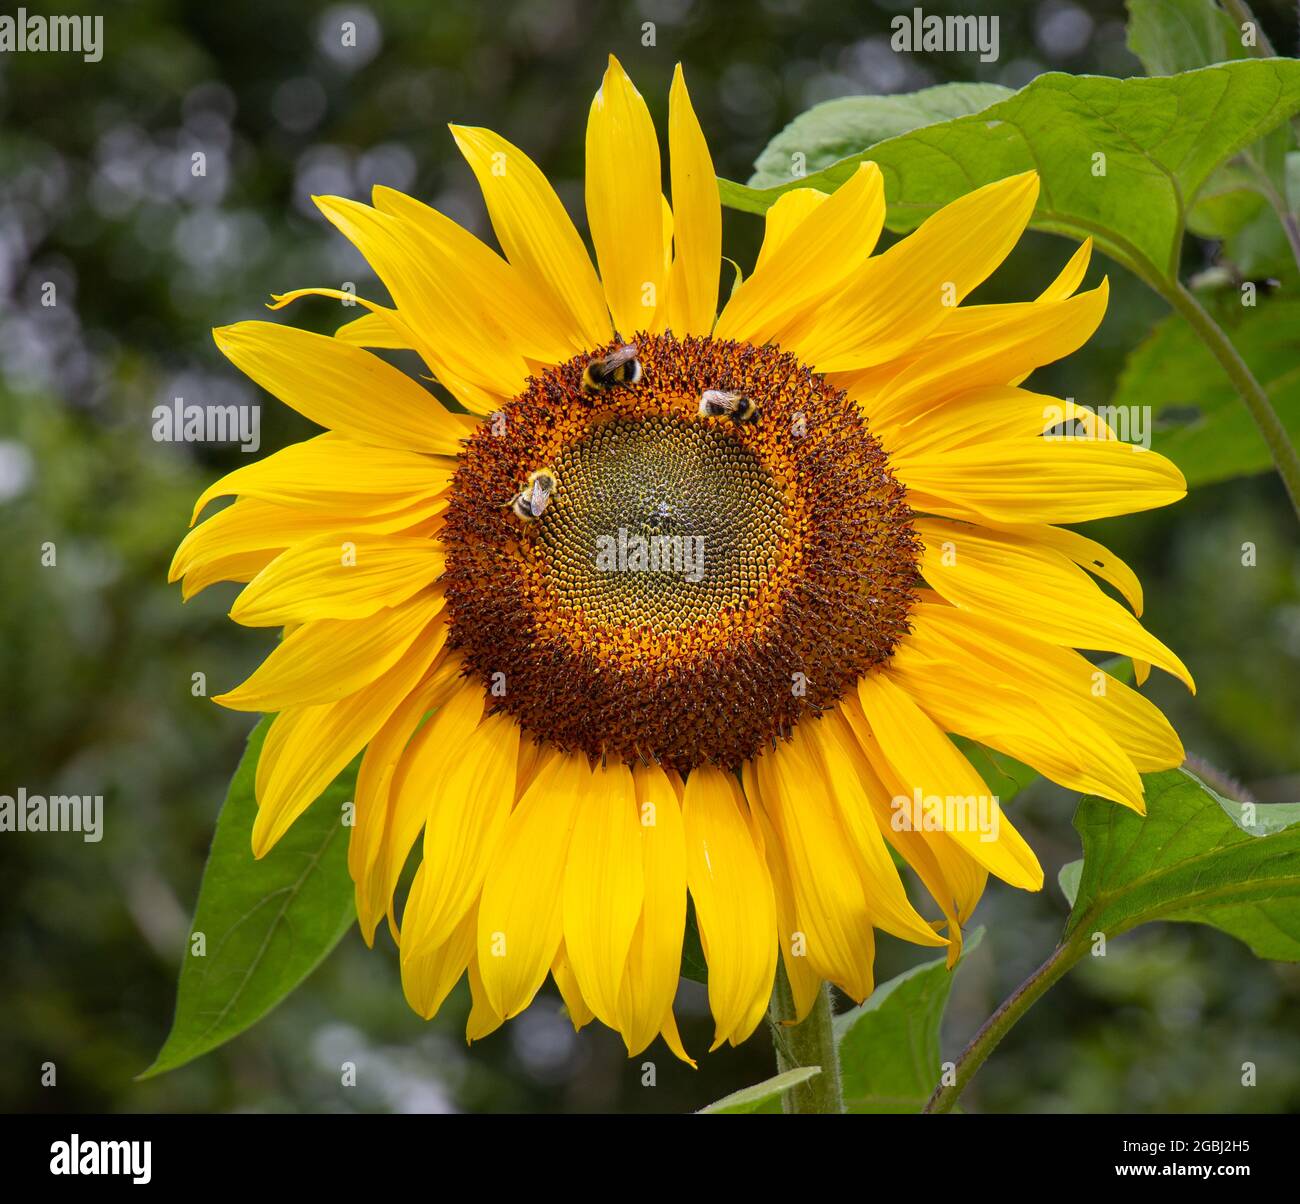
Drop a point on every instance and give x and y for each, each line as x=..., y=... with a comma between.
x=619, y=367
x=531, y=502
x=719, y=403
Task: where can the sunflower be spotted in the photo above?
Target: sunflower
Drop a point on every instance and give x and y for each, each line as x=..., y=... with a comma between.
x=682, y=606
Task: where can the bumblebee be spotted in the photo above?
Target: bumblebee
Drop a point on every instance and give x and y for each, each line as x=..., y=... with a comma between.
x=530, y=504
x=619, y=367
x=718, y=403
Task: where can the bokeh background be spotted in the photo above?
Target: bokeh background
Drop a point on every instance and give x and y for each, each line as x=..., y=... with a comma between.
x=96, y=654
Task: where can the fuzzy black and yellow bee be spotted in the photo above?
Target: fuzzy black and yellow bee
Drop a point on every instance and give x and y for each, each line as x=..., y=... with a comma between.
x=530, y=504
x=719, y=403
x=619, y=367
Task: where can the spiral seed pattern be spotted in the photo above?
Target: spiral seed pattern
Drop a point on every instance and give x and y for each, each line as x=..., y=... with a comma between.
x=660, y=522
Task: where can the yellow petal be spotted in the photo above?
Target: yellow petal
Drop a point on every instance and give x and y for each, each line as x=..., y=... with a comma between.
x=887, y=901
x=460, y=774
x=693, y=298
x=332, y=472
x=811, y=262
x=377, y=330
x=250, y=525
x=674, y=1041
x=655, y=956
x=337, y=577
x=1039, y=728
x=805, y=982
x=955, y=880
x=428, y=976
x=999, y=574
x=453, y=329
x=828, y=893
x=604, y=888
x=331, y=658
x=915, y=848
x=971, y=320
x=566, y=981
x=784, y=217
x=624, y=205
x=999, y=648
x=963, y=324
x=306, y=747
x=536, y=234
x=483, y=1019
x=520, y=918
x=1049, y=331
x=893, y=300
x=931, y=767
x=1016, y=482
x=503, y=299
x=989, y=414
x=384, y=833
x=734, y=906
x=341, y=387
x=1087, y=553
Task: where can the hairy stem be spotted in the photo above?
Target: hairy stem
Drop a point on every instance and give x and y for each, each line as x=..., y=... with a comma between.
x=1243, y=380
x=1002, y=1022
x=1240, y=12
x=811, y=1043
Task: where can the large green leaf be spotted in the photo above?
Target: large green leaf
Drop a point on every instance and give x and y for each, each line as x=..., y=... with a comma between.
x=1196, y=857
x=889, y=1047
x=839, y=128
x=1238, y=202
x=1161, y=138
x=1169, y=36
x=1199, y=422
x=266, y=924
x=764, y=1096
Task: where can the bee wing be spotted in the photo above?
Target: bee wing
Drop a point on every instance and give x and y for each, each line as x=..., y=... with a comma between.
x=620, y=356
x=537, y=499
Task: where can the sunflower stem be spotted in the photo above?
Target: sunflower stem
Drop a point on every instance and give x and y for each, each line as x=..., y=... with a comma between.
x=811, y=1043
x=1250, y=390
x=1011, y=1011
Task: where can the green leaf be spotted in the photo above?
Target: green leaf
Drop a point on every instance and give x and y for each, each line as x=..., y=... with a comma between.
x=1197, y=858
x=694, y=966
x=764, y=1096
x=1199, y=423
x=1068, y=880
x=266, y=924
x=839, y=128
x=1162, y=138
x=1169, y=36
x=1234, y=209
x=1236, y=204
x=889, y=1047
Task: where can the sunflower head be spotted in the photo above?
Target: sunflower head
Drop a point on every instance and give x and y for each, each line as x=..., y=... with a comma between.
x=675, y=602
x=695, y=583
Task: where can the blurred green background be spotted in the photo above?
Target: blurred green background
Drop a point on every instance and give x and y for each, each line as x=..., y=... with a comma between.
x=97, y=653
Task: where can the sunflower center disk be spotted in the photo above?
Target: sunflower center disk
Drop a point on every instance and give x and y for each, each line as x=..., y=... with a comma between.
x=659, y=522
x=679, y=588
